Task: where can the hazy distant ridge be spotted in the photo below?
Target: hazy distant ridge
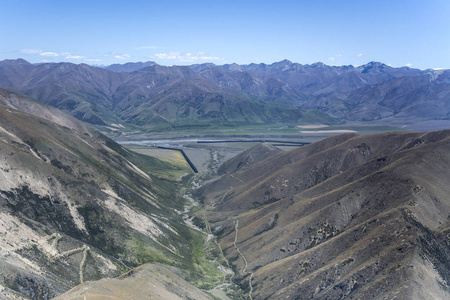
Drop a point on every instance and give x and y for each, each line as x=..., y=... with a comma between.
x=148, y=94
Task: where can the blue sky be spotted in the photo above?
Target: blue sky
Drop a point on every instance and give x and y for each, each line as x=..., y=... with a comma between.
x=340, y=32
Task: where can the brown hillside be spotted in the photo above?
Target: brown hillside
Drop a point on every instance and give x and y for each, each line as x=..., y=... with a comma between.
x=148, y=281
x=355, y=217
x=248, y=158
x=75, y=206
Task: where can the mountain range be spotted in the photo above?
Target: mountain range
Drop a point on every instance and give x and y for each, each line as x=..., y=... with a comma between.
x=150, y=95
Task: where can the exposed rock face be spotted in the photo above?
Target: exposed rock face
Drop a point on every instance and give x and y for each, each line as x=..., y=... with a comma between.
x=148, y=281
x=74, y=206
x=355, y=217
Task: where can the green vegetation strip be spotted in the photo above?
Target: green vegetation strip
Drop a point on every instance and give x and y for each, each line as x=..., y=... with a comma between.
x=184, y=155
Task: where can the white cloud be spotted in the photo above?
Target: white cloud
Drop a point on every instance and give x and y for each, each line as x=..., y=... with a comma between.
x=359, y=55
x=186, y=57
x=331, y=58
x=66, y=55
x=30, y=51
x=70, y=56
x=122, y=56
x=170, y=55
x=49, y=54
x=408, y=65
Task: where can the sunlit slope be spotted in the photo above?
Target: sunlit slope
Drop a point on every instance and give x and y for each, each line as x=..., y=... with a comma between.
x=248, y=158
x=15, y=100
x=149, y=281
x=354, y=217
x=75, y=206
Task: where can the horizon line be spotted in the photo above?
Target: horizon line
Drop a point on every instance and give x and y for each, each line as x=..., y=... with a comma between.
x=211, y=63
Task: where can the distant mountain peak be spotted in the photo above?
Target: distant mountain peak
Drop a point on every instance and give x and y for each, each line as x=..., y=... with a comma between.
x=373, y=66
x=233, y=67
x=285, y=61
x=282, y=64
x=318, y=65
x=17, y=61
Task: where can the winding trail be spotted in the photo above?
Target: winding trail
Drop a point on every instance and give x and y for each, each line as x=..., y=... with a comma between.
x=244, y=270
x=83, y=249
x=237, y=178
x=71, y=252
x=83, y=262
x=223, y=197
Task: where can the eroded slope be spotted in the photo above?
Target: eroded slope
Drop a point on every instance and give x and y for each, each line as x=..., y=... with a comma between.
x=355, y=217
x=75, y=207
